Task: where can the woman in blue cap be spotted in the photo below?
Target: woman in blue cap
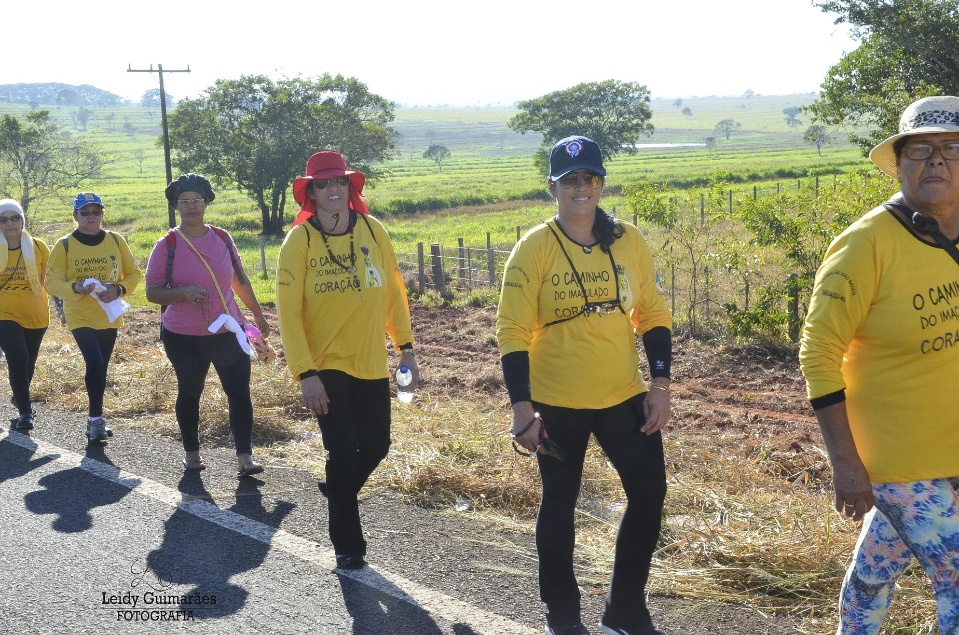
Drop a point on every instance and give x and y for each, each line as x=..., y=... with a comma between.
x=576, y=291
x=90, y=270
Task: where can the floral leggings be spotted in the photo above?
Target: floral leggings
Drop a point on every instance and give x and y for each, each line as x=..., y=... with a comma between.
x=917, y=519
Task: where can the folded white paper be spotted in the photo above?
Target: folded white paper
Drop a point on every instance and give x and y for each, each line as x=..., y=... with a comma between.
x=114, y=308
x=229, y=322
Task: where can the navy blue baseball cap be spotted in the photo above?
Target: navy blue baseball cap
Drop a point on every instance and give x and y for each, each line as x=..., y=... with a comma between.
x=86, y=198
x=575, y=153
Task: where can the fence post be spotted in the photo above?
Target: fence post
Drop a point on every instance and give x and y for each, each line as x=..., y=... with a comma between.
x=702, y=208
x=469, y=268
x=793, y=308
x=817, y=185
x=730, y=200
x=436, y=258
x=777, y=188
x=635, y=219
x=518, y=234
x=491, y=264
x=755, y=192
x=421, y=266
x=462, y=257
x=263, y=256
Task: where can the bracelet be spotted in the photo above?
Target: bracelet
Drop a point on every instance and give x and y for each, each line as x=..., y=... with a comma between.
x=665, y=388
x=527, y=426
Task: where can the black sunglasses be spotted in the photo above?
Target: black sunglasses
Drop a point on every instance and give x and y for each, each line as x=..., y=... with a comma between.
x=322, y=184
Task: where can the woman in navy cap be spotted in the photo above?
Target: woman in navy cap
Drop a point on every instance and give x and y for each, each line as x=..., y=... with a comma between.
x=90, y=270
x=576, y=291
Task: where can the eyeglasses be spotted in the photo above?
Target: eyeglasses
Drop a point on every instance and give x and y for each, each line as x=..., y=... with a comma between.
x=90, y=212
x=190, y=201
x=322, y=184
x=573, y=179
x=923, y=151
x=10, y=219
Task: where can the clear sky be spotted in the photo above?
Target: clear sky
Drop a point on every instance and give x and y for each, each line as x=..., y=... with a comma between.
x=428, y=52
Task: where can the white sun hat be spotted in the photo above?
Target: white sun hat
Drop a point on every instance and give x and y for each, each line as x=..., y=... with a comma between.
x=926, y=116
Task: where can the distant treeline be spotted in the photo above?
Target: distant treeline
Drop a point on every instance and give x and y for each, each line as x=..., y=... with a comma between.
x=57, y=94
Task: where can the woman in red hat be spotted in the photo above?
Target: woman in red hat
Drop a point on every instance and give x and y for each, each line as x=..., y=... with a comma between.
x=339, y=287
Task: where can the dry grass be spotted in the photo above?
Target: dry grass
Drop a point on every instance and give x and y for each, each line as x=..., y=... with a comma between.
x=745, y=523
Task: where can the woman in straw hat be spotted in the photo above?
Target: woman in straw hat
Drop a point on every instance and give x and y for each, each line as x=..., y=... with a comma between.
x=576, y=291
x=880, y=353
x=338, y=289
x=24, y=307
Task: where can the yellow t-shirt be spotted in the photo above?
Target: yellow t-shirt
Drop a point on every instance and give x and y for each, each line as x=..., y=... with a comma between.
x=331, y=318
x=18, y=302
x=109, y=262
x=586, y=361
x=883, y=324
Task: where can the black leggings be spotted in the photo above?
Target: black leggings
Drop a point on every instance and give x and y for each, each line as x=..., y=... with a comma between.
x=96, y=346
x=22, y=347
x=356, y=435
x=191, y=356
x=638, y=458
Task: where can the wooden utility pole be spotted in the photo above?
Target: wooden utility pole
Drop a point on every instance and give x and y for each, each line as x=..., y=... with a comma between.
x=166, y=134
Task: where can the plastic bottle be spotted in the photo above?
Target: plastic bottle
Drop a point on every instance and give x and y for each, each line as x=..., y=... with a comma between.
x=404, y=378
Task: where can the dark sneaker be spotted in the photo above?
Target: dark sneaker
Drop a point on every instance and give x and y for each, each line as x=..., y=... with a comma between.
x=350, y=563
x=25, y=422
x=570, y=628
x=649, y=629
x=322, y=487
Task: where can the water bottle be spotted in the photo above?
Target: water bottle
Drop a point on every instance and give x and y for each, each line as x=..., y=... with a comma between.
x=404, y=378
x=260, y=348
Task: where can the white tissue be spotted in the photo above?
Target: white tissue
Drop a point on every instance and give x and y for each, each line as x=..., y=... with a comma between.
x=229, y=322
x=115, y=308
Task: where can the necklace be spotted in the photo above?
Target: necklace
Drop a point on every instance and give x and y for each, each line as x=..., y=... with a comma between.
x=587, y=249
x=351, y=269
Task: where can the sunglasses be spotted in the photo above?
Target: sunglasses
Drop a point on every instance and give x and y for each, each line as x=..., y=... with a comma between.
x=9, y=219
x=90, y=212
x=573, y=179
x=322, y=184
x=601, y=308
x=923, y=151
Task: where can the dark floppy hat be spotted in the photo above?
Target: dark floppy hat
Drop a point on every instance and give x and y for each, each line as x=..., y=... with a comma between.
x=327, y=165
x=189, y=183
x=925, y=116
x=575, y=153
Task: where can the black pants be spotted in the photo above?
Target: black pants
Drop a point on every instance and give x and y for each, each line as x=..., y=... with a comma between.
x=96, y=346
x=356, y=435
x=22, y=347
x=639, y=460
x=191, y=356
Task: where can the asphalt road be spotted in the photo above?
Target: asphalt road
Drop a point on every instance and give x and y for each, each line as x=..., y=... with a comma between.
x=117, y=538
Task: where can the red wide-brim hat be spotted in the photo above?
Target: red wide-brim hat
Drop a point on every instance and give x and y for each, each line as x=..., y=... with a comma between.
x=327, y=165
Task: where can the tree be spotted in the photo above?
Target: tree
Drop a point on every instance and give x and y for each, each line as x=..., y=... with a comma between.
x=256, y=134
x=151, y=99
x=909, y=50
x=612, y=113
x=678, y=103
x=710, y=143
x=818, y=136
x=727, y=126
x=687, y=111
x=792, y=116
x=437, y=153
x=139, y=155
x=38, y=160
x=83, y=117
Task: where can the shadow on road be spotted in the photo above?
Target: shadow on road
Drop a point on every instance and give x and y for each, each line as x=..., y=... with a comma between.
x=379, y=606
x=69, y=495
x=203, y=554
x=15, y=459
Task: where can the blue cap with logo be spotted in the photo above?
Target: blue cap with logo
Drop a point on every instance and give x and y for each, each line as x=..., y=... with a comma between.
x=86, y=198
x=575, y=153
